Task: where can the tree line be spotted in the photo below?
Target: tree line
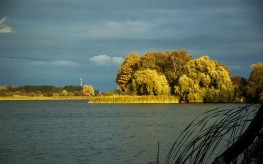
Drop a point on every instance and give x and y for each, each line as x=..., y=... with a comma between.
x=192, y=80
x=47, y=90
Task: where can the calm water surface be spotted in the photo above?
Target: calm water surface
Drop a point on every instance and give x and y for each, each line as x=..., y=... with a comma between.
x=78, y=132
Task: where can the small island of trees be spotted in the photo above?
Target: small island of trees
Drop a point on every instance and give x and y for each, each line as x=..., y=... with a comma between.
x=176, y=73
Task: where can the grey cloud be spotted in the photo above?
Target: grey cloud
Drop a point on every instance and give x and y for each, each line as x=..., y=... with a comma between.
x=120, y=29
x=56, y=63
x=7, y=62
x=62, y=35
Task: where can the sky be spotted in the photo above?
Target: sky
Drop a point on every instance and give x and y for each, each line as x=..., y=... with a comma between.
x=47, y=42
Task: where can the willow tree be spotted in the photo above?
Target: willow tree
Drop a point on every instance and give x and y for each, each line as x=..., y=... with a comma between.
x=126, y=71
x=154, y=60
x=149, y=82
x=175, y=66
x=170, y=63
x=205, y=80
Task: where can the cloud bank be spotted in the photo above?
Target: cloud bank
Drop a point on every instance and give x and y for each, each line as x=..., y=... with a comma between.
x=64, y=63
x=105, y=60
x=3, y=27
x=120, y=29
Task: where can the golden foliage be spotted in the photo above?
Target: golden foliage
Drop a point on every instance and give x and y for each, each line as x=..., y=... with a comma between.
x=205, y=80
x=149, y=82
x=87, y=90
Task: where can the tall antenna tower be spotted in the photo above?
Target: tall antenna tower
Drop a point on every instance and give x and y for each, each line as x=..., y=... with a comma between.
x=80, y=81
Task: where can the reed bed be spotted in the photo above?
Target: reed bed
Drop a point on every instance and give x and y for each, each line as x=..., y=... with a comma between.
x=206, y=137
x=125, y=99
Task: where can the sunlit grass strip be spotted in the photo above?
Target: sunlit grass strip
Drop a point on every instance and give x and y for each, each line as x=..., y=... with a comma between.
x=134, y=99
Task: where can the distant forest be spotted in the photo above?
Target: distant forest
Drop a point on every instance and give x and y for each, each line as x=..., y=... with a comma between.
x=47, y=90
x=192, y=80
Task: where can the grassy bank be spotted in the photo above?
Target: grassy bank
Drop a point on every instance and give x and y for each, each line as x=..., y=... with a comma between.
x=134, y=99
x=46, y=98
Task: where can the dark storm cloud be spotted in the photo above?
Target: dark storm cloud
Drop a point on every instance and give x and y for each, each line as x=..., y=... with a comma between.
x=81, y=38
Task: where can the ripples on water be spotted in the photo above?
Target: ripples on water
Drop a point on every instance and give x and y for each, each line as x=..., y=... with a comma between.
x=78, y=132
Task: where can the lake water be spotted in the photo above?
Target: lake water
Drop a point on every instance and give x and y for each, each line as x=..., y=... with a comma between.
x=78, y=132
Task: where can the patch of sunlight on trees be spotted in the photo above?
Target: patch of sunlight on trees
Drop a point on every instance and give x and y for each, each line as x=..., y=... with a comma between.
x=205, y=80
x=88, y=90
x=149, y=82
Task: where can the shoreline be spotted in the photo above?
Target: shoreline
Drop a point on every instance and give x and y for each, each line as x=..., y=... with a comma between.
x=44, y=98
x=124, y=99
